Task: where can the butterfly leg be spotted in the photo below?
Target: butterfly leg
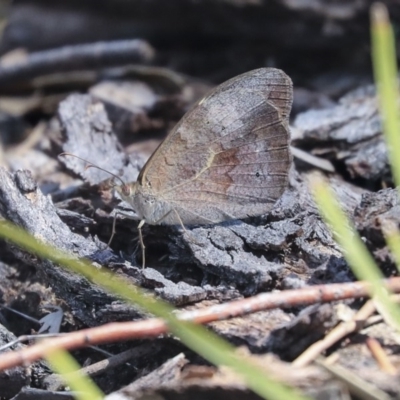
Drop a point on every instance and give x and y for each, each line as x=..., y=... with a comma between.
x=177, y=215
x=113, y=232
x=189, y=234
x=113, y=229
x=180, y=220
x=141, y=223
x=140, y=226
x=180, y=223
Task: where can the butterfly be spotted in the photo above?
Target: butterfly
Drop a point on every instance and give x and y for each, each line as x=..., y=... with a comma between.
x=227, y=158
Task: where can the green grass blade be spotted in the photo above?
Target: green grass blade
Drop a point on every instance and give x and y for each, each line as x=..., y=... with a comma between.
x=65, y=365
x=385, y=71
x=354, y=250
x=392, y=236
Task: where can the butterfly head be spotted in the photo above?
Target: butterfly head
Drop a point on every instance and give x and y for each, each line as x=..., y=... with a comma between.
x=127, y=191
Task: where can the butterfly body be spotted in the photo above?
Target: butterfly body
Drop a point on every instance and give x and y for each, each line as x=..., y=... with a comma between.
x=228, y=158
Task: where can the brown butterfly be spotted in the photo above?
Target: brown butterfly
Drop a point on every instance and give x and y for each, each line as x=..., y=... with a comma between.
x=227, y=158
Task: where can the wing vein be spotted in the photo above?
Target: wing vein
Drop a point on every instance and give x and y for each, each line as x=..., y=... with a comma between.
x=221, y=138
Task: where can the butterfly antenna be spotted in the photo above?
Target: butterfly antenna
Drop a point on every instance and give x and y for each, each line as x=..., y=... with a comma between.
x=91, y=165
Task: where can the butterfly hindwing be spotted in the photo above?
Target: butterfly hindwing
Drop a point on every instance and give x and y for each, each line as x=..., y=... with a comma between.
x=229, y=155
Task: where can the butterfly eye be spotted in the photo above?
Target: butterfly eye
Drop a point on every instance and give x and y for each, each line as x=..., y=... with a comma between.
x=257, y=174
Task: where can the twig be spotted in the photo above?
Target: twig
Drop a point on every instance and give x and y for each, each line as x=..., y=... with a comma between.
x=25, y=338
x=338, y=333
x=360, y=320
x=154, y=327
x=380, y=356
x=357, y=386
x=55, y=381
x=76, y=57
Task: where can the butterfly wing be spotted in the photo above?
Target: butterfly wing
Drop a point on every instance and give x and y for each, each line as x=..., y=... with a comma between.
x=229, y=156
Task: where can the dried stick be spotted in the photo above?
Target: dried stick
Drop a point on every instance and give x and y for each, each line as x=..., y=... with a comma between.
x=361, y=318
x=155, y=326
x=55, y=381
x=76, y=57
x=357, y=386
x=338, y=333
x=380, y=356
